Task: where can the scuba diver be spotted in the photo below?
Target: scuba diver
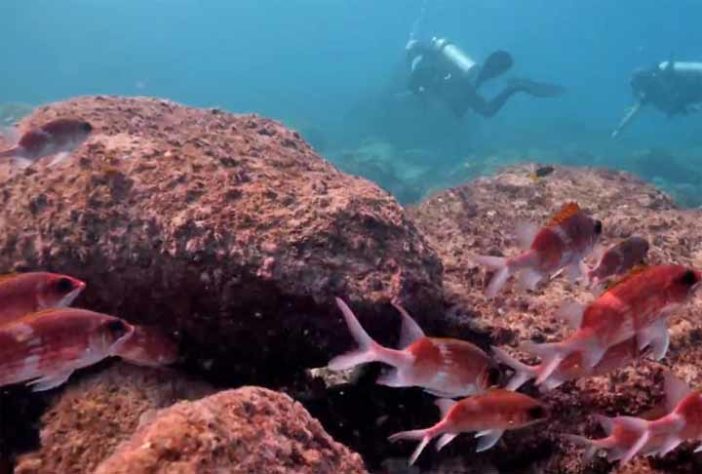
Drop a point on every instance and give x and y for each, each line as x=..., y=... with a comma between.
x=441, y=70
x=673, y=87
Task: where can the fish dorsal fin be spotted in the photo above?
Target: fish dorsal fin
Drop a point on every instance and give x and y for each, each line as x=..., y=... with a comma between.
x=632, y=273
x=409, y=330
x=675, y=390
x=445, y=405
x=568, y=210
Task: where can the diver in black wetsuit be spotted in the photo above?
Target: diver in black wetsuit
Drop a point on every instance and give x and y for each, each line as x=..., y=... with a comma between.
x=439, y=69
x=673, y=87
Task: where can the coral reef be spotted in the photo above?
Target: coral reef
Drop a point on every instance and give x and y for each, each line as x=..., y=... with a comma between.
x=227, y=230
x=254, y=429
x=83, y=424
x=478, y=218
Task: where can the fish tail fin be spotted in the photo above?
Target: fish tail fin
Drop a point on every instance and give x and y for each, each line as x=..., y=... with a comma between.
x=522, y=372
x=502, y=272
x=424, y=436
x=367, y=350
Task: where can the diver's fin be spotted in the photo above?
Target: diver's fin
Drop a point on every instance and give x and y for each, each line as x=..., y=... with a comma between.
x=495, y=65
x=537, y=89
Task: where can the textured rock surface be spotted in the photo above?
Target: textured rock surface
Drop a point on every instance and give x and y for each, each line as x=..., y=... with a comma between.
x=248, y=430
x=478, y=218
x=228, y=230
x=85, y=422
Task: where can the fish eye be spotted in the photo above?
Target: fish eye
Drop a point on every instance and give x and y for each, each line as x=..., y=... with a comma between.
x=64, y=285
x=494, y=376
x=536, y=413
x=598, y=227
x=86, y=127
x=117, y=328
x=689, y=278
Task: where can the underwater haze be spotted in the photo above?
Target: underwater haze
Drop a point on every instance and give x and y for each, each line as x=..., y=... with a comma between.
x=336, y=71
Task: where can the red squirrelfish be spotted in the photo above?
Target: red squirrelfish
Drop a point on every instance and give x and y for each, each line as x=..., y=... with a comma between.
x=622, y=435
x=24, y=293
x=619, y=259
x=443, y=367
x=60, y=136
x=148, y=346
x=571, y=368
x=683, y=423
x=629, y=436
x=562, y=244
x=45, y=348
x=636, y=306
x=490, y=414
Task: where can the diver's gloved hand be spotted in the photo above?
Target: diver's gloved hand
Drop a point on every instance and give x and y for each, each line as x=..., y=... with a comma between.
x=537, y=89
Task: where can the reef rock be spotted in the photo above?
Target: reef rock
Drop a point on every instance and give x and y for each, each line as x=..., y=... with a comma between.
x=226, y=229
x=86, y=421
x=248, y=430
x=478, y=218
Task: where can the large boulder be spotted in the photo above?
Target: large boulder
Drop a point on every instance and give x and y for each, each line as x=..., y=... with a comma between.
x=84, y=423
x=227, y=230
x=479, y=218
x=248, y=430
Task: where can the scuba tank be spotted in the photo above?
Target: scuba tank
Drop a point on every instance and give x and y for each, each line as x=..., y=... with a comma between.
x=454, y=57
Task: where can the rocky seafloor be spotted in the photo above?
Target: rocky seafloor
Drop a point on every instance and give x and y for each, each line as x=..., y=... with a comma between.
x=230, y=233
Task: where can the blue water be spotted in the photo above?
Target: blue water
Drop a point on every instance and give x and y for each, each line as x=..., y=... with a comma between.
x=334, y=68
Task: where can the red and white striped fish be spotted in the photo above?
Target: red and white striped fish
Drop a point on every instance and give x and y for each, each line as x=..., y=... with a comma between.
x=619, y=259
x=149, y=347
x=443, y=367
x=563, y=243
x=649, y=436
x=490, y=414
x=43, y=349
x=572, y=367
x=636, y=306
x=24, y=293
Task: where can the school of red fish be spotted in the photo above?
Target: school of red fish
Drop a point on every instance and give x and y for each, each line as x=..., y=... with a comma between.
x=43, y=340
x=625, y=321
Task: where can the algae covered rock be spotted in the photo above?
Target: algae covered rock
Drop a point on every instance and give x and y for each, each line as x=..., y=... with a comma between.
x=84, y=423
x=479, y=218
x=248, y=430
x=227, y=230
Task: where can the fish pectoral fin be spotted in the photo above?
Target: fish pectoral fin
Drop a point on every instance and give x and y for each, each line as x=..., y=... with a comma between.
x=698, y=448
x=444, y=440
x=50, y=381
x=488, y=439
x=574, y=271
x=656, y=335
x=670, y=444
x=529, y=279
x=572, y=313
x=59, y=158
x=392, y=378
x=21, y=163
